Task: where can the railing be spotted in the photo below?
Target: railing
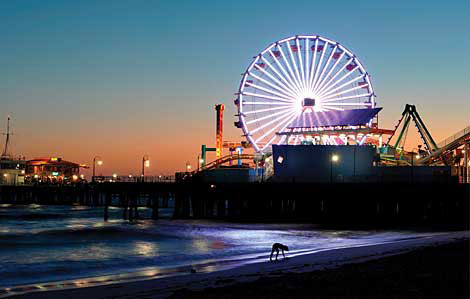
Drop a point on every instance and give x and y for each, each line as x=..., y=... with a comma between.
x=454, y=137
x=136, y=179
x=226, y=159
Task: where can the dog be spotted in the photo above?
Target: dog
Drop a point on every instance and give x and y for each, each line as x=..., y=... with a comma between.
x=277, y=247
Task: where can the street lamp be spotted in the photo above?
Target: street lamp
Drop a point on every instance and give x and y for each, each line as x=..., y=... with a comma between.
x=334, y=159
x=412, y=160
x=188, y=167
x=145, y=164
x=96, y=160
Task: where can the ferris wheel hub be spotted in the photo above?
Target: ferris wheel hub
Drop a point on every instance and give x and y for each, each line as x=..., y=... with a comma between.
x=308, y=102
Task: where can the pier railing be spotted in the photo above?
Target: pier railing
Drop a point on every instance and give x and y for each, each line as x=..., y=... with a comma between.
x=454, y=137
x=135, y=179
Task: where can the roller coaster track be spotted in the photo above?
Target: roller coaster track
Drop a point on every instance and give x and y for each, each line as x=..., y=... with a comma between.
x=451, y=143
x=228, y=158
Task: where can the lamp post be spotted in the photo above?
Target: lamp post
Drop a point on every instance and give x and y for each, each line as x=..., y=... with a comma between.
x=334, y=159
x=188, y=167
x=96, y=160
x=412, y=160
x=145, y=164
x=199, y=162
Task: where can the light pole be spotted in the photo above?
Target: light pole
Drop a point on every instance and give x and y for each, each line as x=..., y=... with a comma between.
x=199, y=163
x=188, y=167
x=96, y=159
x=334, y=159
x=145, y=163
x=412, y=160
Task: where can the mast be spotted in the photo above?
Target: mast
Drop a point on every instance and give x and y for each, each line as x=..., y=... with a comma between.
x=7, y=141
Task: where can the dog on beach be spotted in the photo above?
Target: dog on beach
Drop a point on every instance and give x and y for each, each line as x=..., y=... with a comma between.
x=277, y=247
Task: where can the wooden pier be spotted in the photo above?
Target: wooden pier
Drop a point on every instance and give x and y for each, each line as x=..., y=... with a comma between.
x=336, y=204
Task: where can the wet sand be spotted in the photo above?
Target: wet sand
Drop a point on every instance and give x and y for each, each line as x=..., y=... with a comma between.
x=431, y=267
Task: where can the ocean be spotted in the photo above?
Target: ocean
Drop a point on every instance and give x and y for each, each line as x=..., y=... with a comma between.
x=43, y=244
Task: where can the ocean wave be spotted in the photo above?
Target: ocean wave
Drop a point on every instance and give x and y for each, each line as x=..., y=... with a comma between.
x=33, y=216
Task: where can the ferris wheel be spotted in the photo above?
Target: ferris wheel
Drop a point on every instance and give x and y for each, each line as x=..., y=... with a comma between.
x=296, y=78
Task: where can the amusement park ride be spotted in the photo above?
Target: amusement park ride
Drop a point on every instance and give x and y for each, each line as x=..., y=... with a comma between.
x=310, y=90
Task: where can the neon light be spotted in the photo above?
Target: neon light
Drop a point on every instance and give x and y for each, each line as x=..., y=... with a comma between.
x=299, y=55
x=343, y=92
x=323, y=95
x=266, y=110
x=257, y=95
x=346, y=98
x=312, y=66
x=265, y=117
x=283, y=78
x=272, y=85
x=283, y=117
x=267, y=124
x=289, y=68
x=315, y=78
x=350, y=104
x=266, y=103
x=271, y=91
x=324, y=68
x=326, y=90
x=290, y=88
x=306, y=61
x=334, y=76
x=329, y=73
x=295, y=66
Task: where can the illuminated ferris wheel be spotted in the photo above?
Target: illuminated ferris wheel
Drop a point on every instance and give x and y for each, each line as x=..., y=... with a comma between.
x=296, y=81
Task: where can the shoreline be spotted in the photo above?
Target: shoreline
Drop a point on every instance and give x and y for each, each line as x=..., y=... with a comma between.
x=166, y=285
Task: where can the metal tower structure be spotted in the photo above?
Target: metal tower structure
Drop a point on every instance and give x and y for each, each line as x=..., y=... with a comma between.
x=5, y=153
x=409, y=114
x=219, y=126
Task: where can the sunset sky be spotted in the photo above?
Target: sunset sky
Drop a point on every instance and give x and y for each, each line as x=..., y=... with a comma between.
x=121, y=79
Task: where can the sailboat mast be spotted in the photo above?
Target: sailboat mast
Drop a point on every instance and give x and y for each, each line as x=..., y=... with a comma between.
x=7, y=141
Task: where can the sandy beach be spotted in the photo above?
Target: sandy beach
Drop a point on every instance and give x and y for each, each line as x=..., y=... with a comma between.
x=190, y=284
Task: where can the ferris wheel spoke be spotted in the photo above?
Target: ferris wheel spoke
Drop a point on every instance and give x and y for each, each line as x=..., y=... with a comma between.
x=312, y=65
x=266, y=110
x=271, y=122
x=348, y=104
x=274, y=78
x=315, y=77
x=327, y=84
x=296, y=69
x=325, y=68
x=343, y=92
x=284, y=78
x=299, y=56
x=258, y=95
x=286, y=120
x=329, y=73
x=328, y=90
x=282, y=139
x=291, y=74
x=334, y=108
x=286, y=93
x=347, y=98
x=289, y=98
x=306, y=61
x=265, y=117
x=266, y=103
x=325, y=95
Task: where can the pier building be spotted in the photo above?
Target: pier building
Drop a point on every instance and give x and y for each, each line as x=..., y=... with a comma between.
x=52, y=169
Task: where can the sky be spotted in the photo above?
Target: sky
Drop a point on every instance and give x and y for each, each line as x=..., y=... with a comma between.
x=121, y=79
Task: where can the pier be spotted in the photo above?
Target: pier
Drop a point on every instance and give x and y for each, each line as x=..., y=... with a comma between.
x=404, y=204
